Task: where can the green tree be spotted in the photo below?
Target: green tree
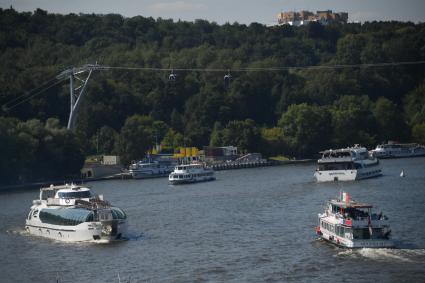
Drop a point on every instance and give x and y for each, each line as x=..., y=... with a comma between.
x=243, y=134
x=307, y=129
x=172, y=139
x=389, y=124
x=104, y=140
x=418, y=133
x=349, y=49
x=136, y=138
x=216, y=138
x=414, y=105
x=273, y=141
x=353, y=122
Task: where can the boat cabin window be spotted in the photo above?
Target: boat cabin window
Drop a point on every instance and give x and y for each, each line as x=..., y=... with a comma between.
x=336, y=209
x=356, y=213
x=45, y=194
x=78, y=194
x=336, y=166
x=33, y=213
x=105, y=215
x=364, y=154
x=117, y=213
x=328, y=226
x=65, y=217
x=362, y=233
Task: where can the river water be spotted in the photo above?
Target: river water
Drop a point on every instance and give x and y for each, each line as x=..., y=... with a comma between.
x=249, y=225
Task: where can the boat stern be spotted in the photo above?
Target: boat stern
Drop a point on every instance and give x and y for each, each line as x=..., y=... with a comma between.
x=335, y=175
x=111, y=230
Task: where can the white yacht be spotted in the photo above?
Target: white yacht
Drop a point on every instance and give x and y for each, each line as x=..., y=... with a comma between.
x=71, y=213
x=350, y=224
x=398, y=150
x=191, y=173
x=347, y=164
x=150, y=169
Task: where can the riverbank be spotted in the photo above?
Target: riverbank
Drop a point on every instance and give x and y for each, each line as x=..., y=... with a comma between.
x=125, y=175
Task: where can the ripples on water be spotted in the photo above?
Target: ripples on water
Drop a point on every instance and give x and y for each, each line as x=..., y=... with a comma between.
x=249, y=225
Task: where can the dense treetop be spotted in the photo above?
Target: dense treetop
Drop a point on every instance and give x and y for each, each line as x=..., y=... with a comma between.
x=295, y=113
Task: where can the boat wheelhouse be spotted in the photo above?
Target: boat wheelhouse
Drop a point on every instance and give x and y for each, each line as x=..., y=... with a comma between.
x=351, y=224
x=398, y=150
x=71, y=213
x=347, y=164
x=191, y=173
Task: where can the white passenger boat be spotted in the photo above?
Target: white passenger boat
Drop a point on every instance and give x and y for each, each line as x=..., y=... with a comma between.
x=71, y=213
x=191, y=173
x=350, y=224
x=347, y=164
x=398, y=150
x=150, y=169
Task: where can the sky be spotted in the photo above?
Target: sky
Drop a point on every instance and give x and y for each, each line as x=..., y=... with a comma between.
x=222, y=11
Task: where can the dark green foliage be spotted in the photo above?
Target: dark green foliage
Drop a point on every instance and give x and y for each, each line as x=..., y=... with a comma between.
x=135, y=138
x=273, y=141
x=307, y=129
x=295, y=113
x=32, y=151
x=103, y=142
x=353, y=121
x=243, y=134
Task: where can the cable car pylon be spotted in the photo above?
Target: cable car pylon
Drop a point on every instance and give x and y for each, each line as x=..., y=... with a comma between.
x=78, y=80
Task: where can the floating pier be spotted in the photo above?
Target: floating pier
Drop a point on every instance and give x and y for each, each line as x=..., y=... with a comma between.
x=253, y=164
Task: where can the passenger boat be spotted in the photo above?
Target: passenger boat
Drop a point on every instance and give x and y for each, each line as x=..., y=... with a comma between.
x=151, y=168
x=191, y=173
x=347, y=164
x=398, y=150
x=351, y=224
x=72, y=213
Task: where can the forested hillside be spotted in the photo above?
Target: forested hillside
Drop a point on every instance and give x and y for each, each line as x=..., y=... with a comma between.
x=292, y=112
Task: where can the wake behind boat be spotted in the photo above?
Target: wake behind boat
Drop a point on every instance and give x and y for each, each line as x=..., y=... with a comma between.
x=71, y=213
x=347, y=164
x=351, y=224
x=191, y=173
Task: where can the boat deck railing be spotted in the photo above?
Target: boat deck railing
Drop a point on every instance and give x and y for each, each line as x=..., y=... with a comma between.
x=335, y=159
x=94, y=203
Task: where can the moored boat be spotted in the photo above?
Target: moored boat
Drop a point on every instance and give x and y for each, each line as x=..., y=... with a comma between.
x=351, y=224
x=151, y=168
x=347, y=164
x=191, y=173
x=71, y=213
x=398, y=150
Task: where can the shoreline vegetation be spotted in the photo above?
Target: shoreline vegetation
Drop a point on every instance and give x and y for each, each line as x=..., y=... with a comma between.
x=294, y=113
